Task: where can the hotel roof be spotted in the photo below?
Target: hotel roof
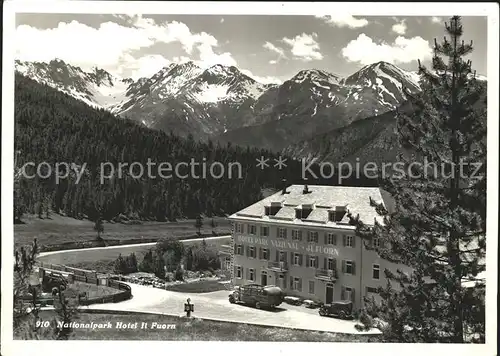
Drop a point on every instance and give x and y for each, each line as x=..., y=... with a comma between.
x=322, y=199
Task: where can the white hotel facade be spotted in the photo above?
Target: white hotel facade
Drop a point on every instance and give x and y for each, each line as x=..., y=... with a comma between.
x=300, y=239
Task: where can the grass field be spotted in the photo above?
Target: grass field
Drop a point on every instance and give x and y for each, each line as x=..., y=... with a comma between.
x=195, y=330
x=60, y=229
x=101, y=260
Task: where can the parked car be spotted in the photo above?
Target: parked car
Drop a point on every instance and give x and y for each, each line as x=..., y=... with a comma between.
x=257, y=295
x=342, y=309
x=311, y=304
x=293, y=300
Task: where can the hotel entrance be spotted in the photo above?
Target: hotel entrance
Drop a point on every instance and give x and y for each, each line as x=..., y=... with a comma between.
x=263, y=278
x=329, y=293
x=282, y=281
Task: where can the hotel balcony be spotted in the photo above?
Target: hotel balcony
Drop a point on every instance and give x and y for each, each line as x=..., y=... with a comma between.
x=277, y=266
x=326, y=275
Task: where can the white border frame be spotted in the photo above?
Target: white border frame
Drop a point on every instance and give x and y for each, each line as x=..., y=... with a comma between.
x=490, y=10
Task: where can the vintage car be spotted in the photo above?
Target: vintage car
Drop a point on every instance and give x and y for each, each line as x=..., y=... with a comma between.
x=257, y=296
x=292, y=300
x=311, y=304
x=342, y=309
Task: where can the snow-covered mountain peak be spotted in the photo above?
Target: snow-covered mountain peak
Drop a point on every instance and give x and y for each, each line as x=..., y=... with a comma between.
x=97, y=87
x=316, y=75
x=390, y=73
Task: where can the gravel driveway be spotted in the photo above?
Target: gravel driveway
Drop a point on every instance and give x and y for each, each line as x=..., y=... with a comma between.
x=215, y=305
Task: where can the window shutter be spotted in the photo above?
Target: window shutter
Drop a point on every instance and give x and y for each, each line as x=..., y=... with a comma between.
x=300, y=260
x=292, y=259
x=353, y=241
x=343, y=266
x=260, y=253
x=285, y=257
x=342, y=293
x=325, y=263
x=291, y=282
x=317, y=262
x=335, y=264
x=307, y=261
x=284, y=233
x=352, y=295
x=300, y=284
x=268, y=254
x=353, y=268
x=235, y=248
x=326, y=238
x=300, y=235
x=236, y=271
x=343, y=240
x=277, y=256
x=335, y=239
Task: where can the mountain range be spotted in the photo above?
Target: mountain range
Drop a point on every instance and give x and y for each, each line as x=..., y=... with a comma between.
x=223, y=104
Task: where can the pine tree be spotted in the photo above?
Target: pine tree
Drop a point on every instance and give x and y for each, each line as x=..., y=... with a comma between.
x=437, y=227
x=27, y=306
x=99, y=227
x=198, y=223
x=213, y=224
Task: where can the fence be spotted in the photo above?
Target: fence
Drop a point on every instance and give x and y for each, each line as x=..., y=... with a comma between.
x=89, y=276
x=124, y=294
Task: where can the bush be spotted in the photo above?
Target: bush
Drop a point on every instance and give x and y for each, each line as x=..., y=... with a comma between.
x=125, y=265
x=366, y=319
x=204, y=258
x=179, y=274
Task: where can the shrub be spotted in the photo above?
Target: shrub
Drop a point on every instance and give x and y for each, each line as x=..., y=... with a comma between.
x=179, y=274
x=204, y=258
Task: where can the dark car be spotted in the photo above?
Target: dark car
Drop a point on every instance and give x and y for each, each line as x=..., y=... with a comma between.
x=341, y=309
x=257, y=296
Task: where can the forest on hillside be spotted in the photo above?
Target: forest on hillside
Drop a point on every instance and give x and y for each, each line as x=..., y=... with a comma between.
x=53, y=127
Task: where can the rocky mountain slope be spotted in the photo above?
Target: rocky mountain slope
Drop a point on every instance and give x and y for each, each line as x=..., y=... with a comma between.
x=97, y=88
x=226, y=105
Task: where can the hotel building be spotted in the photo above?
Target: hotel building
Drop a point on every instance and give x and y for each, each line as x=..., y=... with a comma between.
x=300, y=239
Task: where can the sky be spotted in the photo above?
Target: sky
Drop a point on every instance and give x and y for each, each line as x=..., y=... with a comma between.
x=269, y=48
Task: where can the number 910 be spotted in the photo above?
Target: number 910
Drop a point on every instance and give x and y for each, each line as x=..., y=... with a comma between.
x=42, y=324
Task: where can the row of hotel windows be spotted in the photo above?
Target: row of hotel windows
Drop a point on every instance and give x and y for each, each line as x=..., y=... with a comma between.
x=312, y=236
x=347, y=293
x=297, y=259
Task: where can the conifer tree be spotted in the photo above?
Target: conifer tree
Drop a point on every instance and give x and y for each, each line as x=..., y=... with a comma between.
x=99, y=227
x=198, y=223
x=437, y=225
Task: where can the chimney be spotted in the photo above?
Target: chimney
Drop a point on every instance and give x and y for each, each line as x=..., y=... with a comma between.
x=283, y=184
x=306, y=188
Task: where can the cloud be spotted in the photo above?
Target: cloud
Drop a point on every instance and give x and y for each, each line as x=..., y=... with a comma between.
x=304, y=47
x=344, y=20
x=145, y=66
x=111, y=44
x=436, y=19
x=404, y=50
x=273, y=48
x=400, y=27
x=263, y=80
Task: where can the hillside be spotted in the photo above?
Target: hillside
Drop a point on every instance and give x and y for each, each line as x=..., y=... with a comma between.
x=54, y=127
